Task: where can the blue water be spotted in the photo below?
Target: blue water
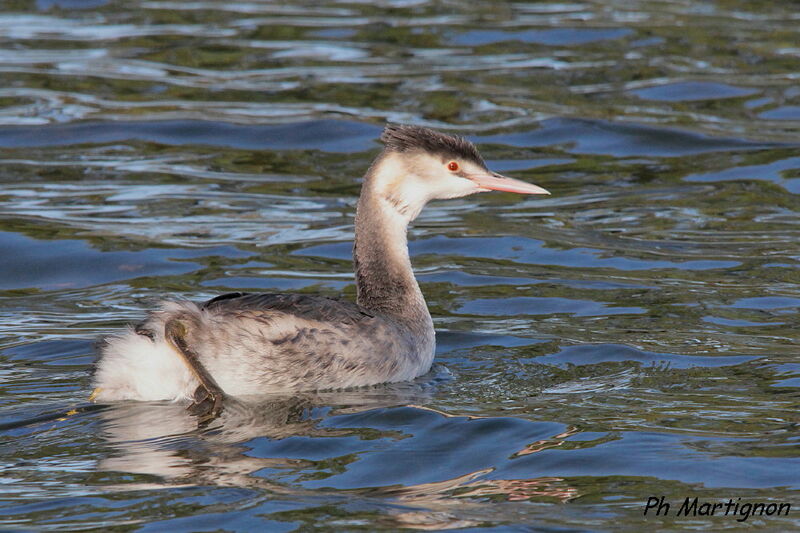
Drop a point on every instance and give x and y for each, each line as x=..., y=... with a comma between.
x=633, y=335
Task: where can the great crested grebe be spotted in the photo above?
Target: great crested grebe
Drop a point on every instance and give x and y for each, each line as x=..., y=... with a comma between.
x=243, y=344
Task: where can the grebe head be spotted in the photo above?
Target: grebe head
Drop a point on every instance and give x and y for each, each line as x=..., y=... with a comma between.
x=419, y=164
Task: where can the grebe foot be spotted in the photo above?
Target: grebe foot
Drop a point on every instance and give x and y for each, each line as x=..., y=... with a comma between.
x=207, y=404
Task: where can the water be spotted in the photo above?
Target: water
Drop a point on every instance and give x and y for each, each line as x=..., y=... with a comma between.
x=633, y=335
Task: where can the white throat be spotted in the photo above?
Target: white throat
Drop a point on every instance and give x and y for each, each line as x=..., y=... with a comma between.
x=400, y=191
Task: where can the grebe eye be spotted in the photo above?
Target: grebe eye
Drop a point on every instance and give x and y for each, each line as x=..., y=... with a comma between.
x=452, y=166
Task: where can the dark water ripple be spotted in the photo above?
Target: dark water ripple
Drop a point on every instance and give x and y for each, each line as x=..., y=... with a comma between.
x=632, y=335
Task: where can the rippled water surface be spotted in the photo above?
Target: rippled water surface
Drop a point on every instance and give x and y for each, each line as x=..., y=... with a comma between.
x=632, y=335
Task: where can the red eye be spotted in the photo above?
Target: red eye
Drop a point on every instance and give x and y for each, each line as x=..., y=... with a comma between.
x=452, y=166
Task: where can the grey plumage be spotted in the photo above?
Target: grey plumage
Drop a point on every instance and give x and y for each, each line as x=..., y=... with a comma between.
x=253, y=343
x=300, y=305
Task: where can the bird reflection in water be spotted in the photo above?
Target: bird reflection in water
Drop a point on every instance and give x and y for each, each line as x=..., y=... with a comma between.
x=160, y=440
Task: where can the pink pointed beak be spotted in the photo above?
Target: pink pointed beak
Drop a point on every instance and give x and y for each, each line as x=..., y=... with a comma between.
x=491, y=181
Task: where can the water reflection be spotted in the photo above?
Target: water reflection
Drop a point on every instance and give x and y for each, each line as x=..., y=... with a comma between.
x=326, y=436
x=164, y=440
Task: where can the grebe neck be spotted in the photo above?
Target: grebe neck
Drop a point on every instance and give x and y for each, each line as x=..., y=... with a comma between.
x=385, y=281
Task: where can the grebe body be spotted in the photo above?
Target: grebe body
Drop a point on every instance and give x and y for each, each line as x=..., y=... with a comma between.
x=242, y=344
